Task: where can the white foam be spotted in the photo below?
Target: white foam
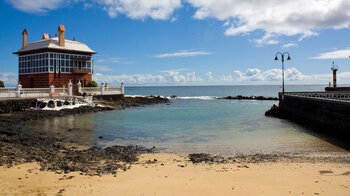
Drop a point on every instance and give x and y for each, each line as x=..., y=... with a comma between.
x=179, y=97
x=198, y=97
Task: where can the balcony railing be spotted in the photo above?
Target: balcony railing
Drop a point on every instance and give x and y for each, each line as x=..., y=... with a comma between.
x=81, y=70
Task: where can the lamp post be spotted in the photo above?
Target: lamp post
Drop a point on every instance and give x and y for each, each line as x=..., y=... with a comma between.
x=282, y=59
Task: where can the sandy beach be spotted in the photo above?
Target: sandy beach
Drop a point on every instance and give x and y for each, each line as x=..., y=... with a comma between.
x=173, y=174
x=38, y=163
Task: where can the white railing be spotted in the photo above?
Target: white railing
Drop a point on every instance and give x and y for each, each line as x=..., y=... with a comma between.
x=103, y=90
x=34, y=92
x=8, y=92
x=113, y=91
x=324, y=95
x=61, y=91
x=91, y=90
x=19, y=92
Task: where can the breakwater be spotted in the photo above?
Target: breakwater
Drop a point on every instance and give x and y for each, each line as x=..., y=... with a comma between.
x=332, y=116
x=16, y=105
x=240, y=97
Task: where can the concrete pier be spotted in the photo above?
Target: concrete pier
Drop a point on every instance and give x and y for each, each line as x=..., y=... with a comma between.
x=327, y=112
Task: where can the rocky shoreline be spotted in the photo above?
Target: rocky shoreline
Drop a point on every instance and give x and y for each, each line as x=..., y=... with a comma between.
x=21, y=145
x=240, y=97
x=272, y=157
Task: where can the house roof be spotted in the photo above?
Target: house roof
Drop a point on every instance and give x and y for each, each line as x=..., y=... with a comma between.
x=52, y=43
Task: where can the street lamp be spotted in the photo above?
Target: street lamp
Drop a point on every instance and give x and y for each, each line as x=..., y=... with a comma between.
x=282, y=59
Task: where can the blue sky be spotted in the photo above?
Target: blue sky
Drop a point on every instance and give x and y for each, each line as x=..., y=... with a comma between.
x=190, y=42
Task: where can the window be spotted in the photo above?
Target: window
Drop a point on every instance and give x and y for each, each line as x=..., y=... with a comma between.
x=34, y=63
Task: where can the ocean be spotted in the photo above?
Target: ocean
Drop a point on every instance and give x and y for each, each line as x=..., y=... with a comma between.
x=197, y=122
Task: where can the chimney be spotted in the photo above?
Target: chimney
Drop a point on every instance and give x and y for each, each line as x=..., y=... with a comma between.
x=61, y=31
x=46, y=36
x=24, y=38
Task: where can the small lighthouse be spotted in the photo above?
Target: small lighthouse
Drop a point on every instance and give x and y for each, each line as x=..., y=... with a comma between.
x=334, y=69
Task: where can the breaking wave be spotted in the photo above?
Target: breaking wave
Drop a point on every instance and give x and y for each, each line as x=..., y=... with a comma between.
x=179, y=97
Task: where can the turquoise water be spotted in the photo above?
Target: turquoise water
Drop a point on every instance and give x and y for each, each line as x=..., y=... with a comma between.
x=193, y=125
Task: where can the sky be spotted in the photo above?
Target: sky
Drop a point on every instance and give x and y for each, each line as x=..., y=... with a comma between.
x=190, y=42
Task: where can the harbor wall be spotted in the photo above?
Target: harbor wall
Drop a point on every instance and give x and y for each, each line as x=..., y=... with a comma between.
x=16, y=105
x=326, y=115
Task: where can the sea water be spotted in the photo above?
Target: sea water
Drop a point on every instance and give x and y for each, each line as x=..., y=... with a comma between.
x=196, y=122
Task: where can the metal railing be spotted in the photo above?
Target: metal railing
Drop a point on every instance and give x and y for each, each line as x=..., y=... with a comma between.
x=325, y=95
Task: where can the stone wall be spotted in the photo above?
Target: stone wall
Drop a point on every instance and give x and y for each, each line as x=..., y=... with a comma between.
x=15, y=105
x=343, y=89
x=330, y=116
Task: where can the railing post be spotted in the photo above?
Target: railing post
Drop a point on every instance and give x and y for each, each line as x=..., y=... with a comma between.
x=106, y=87
x=19, y=90
x=52, y=89
x=79, y=87
x=70, y=88
x=122, y=88
x=102, y=89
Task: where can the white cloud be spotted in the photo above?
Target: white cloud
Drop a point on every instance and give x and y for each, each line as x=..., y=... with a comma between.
x=167, y=78
x=337, y=54
x=9, y=78
x=250, y=76
x=226, y=78
x=255, y=74
x=141, y=9
x=268, y=39
x=36, y=6
x=302, y=18
x=288, y=18
x=113, y=60
x=289, y=45
x=210, y=76
x=183, y=53
x=135, y=9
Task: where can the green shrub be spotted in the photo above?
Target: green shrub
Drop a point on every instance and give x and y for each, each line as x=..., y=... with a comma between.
x=2, y=84
x=92, y=83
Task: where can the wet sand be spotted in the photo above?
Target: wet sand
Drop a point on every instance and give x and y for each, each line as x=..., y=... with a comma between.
x=173, y=174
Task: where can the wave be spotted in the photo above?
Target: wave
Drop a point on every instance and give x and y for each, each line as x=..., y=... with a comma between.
x=197, y=97
x=179, y=97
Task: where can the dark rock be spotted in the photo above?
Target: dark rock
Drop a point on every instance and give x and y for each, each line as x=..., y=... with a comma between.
x=240, y=97
x=274, y=111
x=206, y=158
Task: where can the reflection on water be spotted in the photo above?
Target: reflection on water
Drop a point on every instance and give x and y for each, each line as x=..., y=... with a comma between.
x=213, y=126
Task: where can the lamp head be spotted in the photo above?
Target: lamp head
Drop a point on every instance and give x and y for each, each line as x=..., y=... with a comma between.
x=276, y=58
x=288, y=59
